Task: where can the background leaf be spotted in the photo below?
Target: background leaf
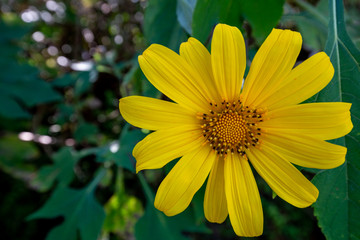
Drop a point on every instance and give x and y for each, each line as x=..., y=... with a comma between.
x=338, y=206
x=80, y=210
x=157, y=225
x=312, y=22
x=208, y=13
x=184, y=12
x=161, y=25
x=263, y=15
x=62, y=170
x=20, y=84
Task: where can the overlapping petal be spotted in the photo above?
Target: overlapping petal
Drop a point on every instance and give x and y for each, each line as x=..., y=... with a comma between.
x=173, y=76
x=272, y=63
x=304, y=150
x=319, y=120
x=154, y=114
x=228, y=60
x=162, y=146
x=303, y=82
x=284, y=179
x=215, y=206
x=184, y=180
x=199, y=58
x=243, y=200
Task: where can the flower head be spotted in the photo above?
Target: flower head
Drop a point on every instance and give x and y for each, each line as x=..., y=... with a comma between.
x=219, y=127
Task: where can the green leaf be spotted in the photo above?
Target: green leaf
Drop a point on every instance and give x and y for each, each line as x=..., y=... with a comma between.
x=208, y=13
x=83, y=82
x=338, y=206
x=80, y=210
x=31, y=92
x=86, y=132
x=128, y=139
x=20, y=85
x=184, y=12
x=155, y=224
x=11, y=109
x=161, y=26
x=263, y=15
x=62, y=170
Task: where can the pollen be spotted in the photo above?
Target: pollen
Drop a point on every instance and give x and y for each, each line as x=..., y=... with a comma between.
x=231, y=127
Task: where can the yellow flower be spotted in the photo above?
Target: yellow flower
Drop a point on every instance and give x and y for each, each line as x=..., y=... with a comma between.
x=218, y=127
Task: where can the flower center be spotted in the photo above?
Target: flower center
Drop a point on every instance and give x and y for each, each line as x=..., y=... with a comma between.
x=231, y=127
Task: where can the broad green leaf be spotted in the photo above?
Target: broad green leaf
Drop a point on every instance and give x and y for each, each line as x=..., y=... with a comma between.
x=184, y=12
x=157, y=225
x=20, y=85
x=128, y=139
x=10, y=108
x=263, y=15
x=338, y=206
x=81, y=212
x=31, y=92
x=160, y=24
x=208, y=13
x=68, y=79
x=62, y=170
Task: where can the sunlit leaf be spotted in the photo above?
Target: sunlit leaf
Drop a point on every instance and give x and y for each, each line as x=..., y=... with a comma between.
x=338, y=206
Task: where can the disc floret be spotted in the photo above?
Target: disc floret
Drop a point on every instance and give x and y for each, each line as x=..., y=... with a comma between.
x=231, y=127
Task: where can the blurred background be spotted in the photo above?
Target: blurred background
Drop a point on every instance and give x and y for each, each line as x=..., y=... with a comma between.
x=66, y=169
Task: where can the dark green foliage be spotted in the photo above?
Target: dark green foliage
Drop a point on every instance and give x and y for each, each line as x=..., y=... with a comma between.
x=80, y=210
x=20, y=85
x=338, y=206
x=81, y=184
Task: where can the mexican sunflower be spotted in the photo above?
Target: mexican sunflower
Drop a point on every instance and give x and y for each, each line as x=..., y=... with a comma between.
x=219, y=126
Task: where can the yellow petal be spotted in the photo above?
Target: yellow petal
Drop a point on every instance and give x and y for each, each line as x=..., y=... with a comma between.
x=283, y=178
x=164, y=145
x=274, y=60
x=242, y=195
x=153, y=114
x=320, y=120
x=215, y=206
x=304, y=150
x=228, y=60
x=174, y=77
x=199, y=58
x=184, y=180
x=303, y=82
